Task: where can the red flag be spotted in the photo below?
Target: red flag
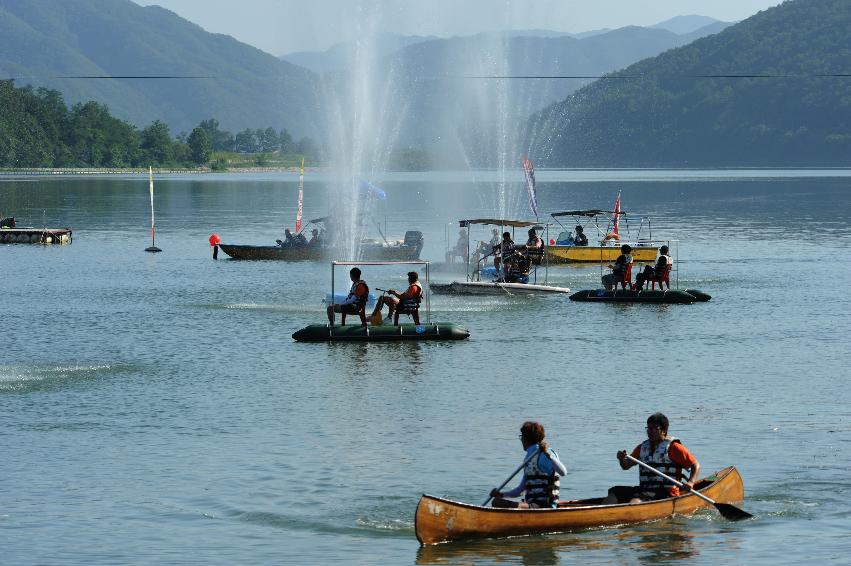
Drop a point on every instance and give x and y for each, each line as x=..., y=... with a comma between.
x=617, y=215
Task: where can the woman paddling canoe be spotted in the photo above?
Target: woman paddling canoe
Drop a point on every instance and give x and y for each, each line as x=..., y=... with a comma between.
x=541, y=471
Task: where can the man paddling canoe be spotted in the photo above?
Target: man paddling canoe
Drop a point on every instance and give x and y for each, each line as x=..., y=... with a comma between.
x=664, y=453
x=540, y=474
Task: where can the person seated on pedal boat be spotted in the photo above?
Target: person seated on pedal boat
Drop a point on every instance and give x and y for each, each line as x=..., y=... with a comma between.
x=355, y=301
x=619, y=269
x=540, y=483
x=504, y=252
x=580, y=239
x=663, y=264
x=315, y=240
x=394, y=299
x=663, y=452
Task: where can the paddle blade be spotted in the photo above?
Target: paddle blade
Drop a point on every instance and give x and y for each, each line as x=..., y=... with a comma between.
x=376, y=319
x=732, y=513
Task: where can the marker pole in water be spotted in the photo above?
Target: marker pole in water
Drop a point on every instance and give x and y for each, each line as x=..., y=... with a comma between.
x=153, y=248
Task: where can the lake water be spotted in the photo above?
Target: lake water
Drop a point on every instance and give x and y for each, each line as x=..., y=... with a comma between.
x=154, y=408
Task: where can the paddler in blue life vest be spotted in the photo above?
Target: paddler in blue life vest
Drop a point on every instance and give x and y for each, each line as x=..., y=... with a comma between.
x=663, y=452
x=540, y=483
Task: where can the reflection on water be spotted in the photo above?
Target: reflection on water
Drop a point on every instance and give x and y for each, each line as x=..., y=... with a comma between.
x=650, y=543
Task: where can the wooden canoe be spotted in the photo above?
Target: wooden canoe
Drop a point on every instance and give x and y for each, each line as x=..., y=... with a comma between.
x=442, y=520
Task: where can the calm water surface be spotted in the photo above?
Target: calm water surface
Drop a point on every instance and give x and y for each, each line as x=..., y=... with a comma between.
x=155, y=409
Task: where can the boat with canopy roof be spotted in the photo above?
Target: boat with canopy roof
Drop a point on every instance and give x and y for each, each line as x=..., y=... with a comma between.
x=604, y=245
x=522, y=275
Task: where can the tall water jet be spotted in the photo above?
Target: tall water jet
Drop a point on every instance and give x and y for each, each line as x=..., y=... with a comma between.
x=363, y=110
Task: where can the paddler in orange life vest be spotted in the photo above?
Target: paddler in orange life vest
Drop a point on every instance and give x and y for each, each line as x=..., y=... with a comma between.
x=540, y=484
x=665, y=453
x=412, y=294
x=355, y=301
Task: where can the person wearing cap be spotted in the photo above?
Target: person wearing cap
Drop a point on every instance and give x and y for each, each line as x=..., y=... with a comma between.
x=619, y=269
x=657, y=272
x=394, y=298
x=580, y=239
x=314, y=238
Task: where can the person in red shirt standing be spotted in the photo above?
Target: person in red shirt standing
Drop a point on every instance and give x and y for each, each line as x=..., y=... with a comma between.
x=663, y=452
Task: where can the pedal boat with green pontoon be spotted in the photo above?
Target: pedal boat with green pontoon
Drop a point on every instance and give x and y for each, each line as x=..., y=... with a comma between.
x=440, y=520
x=384, y=332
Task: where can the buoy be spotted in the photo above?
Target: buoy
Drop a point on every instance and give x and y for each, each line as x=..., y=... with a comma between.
x=552, y=242
x=214, y=243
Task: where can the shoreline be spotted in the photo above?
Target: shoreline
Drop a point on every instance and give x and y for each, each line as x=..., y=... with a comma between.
x=65, y=171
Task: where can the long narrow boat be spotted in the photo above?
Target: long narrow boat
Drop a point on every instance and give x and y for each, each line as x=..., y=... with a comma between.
x=400, y=250
x=494, y=288
x=442, y=520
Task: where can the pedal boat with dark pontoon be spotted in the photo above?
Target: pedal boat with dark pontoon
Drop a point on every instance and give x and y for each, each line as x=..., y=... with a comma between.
x=383, y=332
x=651, y=295
x=671, y=296
x=473, y=285
x=440, y=520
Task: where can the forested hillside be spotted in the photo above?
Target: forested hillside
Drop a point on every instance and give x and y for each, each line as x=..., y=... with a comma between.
x=41, y=40
x=669, y=113
x=37, y=129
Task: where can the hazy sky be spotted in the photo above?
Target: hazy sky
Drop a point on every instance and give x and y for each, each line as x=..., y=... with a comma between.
x=284, y=26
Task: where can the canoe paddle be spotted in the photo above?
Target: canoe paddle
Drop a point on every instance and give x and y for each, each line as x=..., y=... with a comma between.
x=729, y=512
x=523, y=465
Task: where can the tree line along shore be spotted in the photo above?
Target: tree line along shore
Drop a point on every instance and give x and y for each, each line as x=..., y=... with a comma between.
x=39, y=132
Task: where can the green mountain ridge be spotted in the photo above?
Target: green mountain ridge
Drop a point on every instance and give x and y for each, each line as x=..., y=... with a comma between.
x=670, y=116
x=44, y=39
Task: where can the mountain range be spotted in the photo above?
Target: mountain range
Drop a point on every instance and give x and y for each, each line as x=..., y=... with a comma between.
x=771, y=90
x=41, y=40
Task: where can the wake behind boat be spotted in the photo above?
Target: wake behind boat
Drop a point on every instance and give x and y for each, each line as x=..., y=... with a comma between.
x=441, y=520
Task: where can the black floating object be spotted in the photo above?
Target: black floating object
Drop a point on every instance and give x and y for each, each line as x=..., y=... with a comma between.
x=153, y=249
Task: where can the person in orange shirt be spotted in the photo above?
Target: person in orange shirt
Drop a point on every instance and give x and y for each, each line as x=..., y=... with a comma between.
x=413, y=293
x=663, y=452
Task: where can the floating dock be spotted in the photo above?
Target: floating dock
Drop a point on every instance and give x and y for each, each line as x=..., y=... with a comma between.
x=35, y=235
x=382, y=333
